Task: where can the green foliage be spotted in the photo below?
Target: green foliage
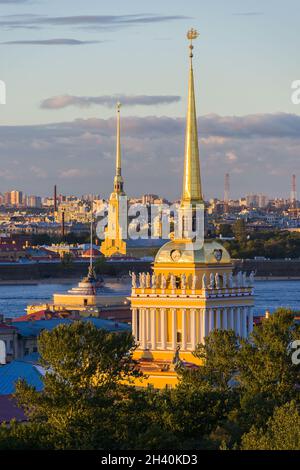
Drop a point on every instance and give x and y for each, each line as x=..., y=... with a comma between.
x=29, y=436
x=239, y=231
x=225, y=230
x=243, y=396
x=267, y=376
x=190, y=412
x=282, y=431
x=102, y=267
x=72, y=238
x=83, y=392
x=67, y=259
x=219, y=355
x=270, y=244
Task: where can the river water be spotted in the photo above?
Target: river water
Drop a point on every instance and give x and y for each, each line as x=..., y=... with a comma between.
x=268, y=295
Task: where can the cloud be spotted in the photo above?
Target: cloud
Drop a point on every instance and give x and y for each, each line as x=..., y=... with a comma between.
x=231, y=157
x=251, y=126
x=50, y=42
x=74, y=173
x=249, y=13
x=63, y=101
x=6, y=174
x=70, y=173
x=14, y=1
x=98, y=22
x=259, y=151
x=38, y=172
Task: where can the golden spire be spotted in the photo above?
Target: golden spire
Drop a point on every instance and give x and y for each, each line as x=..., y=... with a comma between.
x=191, y=188
x=118, y=180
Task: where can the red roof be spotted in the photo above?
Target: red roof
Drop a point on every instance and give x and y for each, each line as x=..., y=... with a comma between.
x=87, y=253
x=42, y=314
x=6, y=326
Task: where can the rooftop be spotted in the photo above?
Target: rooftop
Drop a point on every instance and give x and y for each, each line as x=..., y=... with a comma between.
x=35, y=327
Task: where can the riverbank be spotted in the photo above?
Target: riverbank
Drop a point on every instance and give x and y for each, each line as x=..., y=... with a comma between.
x=277, y=278
x=58, y=272
x=51, y=281
x=73, y=271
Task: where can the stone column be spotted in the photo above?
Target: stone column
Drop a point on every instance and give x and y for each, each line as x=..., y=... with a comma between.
x=148, y=325
x=206, y=322
x=225, y=318
x=153, y=328
x=244, y=321
x=231, y=319
x=211, y=319
x=163, y=328
x=174, y=329
x=193, y=329
x=202, y=325
x=250, y=320
x=140, y=316
x=143, y=328
x=134, y=324
x=183, y=329
x=238, y=321
x=218, y=317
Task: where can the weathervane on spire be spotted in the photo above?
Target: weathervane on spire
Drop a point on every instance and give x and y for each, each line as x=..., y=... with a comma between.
x=192, y=34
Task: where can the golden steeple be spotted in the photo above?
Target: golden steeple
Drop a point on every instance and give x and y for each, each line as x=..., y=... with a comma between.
x=191, y=188
x=118, y=180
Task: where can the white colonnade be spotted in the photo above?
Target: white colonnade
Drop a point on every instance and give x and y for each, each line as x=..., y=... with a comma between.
x=150, y=326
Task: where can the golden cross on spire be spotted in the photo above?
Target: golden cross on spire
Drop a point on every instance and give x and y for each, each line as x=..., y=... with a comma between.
x=192, y=34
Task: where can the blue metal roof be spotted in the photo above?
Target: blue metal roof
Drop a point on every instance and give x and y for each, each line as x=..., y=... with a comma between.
x=26, y=368
x=31, y=358
x=11, y=373
x=34, y=328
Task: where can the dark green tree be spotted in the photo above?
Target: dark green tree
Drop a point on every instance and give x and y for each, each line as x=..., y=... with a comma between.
x=225, y=230
x=282, y=431
x=267, y=374
x=198, y=410
x=239, y=231
x=83, y=388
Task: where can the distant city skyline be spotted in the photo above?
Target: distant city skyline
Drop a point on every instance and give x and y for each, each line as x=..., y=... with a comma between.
x=65, y=65
x=17, y=197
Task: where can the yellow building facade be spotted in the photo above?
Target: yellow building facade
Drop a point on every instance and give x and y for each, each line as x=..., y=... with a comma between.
x=114, y=242
x=191, y=290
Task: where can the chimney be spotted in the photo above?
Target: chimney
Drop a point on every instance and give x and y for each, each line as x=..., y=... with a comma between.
x=63, y=224
x=55, y=199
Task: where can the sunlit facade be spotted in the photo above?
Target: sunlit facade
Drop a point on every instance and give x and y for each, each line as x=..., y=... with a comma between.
x=191, y=290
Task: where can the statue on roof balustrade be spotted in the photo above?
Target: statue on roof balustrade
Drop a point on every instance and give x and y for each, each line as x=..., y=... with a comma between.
x=183, y=281
x=194, y=281
x=133, y=279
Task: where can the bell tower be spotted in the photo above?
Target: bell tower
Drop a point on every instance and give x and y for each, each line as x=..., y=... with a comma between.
x=117, y=210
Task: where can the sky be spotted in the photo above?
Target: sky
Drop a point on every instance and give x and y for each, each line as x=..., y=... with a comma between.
x=66, y=63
